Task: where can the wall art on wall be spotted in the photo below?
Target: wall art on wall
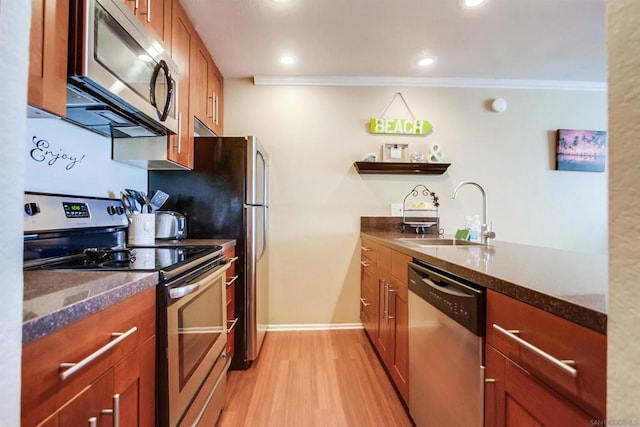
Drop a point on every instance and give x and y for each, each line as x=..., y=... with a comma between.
x=581, y=150
x=395, y=153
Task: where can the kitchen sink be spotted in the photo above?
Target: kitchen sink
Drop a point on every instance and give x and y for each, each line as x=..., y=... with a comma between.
x=437, y=241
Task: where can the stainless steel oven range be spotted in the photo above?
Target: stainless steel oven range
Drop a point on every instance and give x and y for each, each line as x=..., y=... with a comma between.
x=83, y=233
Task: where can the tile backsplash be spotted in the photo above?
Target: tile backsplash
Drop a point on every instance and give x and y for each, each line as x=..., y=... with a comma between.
x=66, y=159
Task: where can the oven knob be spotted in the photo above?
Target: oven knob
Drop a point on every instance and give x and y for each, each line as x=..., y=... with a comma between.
x=119, y=210
x=31, y=208
x=111, y=210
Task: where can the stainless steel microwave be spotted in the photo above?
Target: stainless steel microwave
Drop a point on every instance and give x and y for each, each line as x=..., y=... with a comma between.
x=121, y=82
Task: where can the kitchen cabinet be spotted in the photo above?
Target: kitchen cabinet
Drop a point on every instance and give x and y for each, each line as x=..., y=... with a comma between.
x=155, y=15
x=117, y=380
x=541, y=369
x=389, y=304
x=48, y=38
x=369, y=289
x=215, y=83
x=206, y=88
x=182, y=37
x=232, y=318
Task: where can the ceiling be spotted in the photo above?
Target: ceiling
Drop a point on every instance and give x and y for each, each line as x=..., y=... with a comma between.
x=528, y=40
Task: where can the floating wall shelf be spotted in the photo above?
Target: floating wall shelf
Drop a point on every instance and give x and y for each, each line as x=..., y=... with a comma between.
x=401, y=168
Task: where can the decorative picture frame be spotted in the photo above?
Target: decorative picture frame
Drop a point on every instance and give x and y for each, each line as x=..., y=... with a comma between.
x=398, y=153
x=581, y=150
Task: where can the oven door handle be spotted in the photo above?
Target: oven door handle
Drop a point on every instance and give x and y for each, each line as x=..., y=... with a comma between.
x=182, y=291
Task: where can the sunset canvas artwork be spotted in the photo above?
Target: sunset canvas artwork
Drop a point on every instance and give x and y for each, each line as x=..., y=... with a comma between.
x=581, y=150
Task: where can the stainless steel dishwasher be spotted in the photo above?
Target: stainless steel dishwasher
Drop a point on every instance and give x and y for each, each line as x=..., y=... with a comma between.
x=446, y=348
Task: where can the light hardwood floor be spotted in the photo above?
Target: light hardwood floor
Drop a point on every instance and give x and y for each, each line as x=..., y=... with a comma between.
x=313, y=378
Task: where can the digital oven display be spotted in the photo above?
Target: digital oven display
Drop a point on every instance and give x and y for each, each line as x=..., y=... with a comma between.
x=76, y=210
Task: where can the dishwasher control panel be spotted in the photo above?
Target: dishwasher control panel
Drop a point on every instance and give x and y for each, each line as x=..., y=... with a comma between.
x=453, y=296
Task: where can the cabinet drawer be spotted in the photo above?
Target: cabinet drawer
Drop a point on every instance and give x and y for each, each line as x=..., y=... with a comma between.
x=43, y=390
x=368, y=251
x=561, y=339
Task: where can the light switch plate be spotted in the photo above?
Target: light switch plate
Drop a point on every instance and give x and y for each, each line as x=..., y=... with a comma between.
x=396, y=209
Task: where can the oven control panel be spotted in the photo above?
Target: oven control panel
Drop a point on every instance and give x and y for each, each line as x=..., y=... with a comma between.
x=54, y=212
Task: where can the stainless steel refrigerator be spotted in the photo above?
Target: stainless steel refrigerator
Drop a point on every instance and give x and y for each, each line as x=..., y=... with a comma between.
x=225, y=196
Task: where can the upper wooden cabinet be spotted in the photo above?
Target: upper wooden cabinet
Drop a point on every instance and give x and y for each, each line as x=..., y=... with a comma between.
x=206, y=88
x=48, y=55
x=182, y=37
x=156, y=16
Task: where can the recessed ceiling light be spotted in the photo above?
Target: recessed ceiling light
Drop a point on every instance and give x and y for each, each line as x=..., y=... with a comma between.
x=287, y=60
x=473, y=3
x=426, y=61
x=281, y=1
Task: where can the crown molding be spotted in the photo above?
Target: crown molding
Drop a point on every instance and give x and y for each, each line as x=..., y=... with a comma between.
x=429, y=82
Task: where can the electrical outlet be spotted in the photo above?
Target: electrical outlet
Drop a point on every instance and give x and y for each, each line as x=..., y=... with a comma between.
x=396, y=209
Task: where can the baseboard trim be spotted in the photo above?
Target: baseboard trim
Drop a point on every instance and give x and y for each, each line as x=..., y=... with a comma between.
x=314, y=326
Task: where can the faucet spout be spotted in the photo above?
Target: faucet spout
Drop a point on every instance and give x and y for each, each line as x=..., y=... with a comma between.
x=485, y=234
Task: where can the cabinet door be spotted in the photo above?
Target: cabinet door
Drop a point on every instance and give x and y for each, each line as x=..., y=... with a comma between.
x=155, y=15
x=199, y=75
x=214, y=101
x=48, y=55
x=398, y=362
x=518, y=399
x=134, y=383
x=95, y=402
x=181, y=145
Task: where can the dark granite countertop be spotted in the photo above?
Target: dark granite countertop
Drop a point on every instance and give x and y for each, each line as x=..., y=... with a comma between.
x=54, y=299
x=571, y=285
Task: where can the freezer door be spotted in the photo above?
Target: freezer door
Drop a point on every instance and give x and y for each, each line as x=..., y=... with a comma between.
x=257, y=173
x=257, y=268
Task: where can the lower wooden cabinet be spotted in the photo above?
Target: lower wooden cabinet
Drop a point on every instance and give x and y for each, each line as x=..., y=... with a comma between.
x=232, y=319
x=384, y=309
x=542, y=370
x=119, y=383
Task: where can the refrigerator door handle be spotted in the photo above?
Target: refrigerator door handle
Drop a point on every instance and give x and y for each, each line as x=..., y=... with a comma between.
x=264, y=233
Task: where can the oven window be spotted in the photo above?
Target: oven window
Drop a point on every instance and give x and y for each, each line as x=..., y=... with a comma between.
x=200, y=323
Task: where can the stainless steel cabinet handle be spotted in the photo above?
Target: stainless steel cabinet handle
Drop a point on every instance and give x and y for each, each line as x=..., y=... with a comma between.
x=233, y=279
x=75, y=367
x=564, y=365
x=137, y=4
x=148, y=12
x=115, y=411
x=365, y=249
x=215, y=119
x=365, y=264
x=93, y=422
x=213, y=106
x=234, y=259
x=389, y=316
x=363, y=302
x=180, y=132
x=233, y=325
x=385, y=312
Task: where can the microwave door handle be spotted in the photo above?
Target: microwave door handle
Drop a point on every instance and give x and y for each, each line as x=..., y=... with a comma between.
x=162, y=65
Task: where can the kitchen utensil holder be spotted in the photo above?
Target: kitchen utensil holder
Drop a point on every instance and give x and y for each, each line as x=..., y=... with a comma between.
x=425, y=219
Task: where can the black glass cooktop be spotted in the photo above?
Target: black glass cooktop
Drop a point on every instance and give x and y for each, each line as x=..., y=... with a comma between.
x=135, y=259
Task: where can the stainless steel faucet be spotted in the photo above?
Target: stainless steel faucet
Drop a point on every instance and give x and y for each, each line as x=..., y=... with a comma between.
x=485, y=233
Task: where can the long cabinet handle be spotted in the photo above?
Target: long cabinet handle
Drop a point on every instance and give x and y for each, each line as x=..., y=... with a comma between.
x=385, y=312
x=233, y=279
x=233, y=325
x=564, y=365
x=75, y=367
x=365, y=264
x=179, y=132
x=215, y=119
x=234, y=259
x=115, y=411
x=365, y=249
x=93, y=422
x=363, y=302
x=390, y=290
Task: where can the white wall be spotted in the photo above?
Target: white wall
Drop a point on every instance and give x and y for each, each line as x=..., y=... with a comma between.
x=14, y=33
x=314, y=134
x=66, y=159
x=623, y=386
